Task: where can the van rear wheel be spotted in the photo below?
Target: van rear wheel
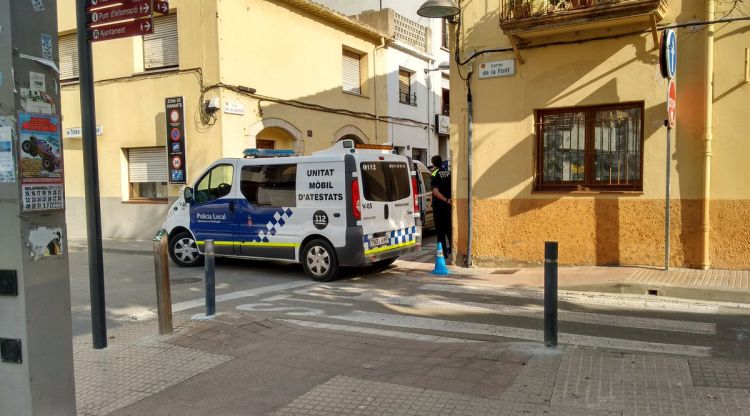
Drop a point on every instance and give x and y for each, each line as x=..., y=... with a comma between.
x=319, y=261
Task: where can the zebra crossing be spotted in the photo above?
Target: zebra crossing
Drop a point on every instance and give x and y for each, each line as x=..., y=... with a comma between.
x=442, y=312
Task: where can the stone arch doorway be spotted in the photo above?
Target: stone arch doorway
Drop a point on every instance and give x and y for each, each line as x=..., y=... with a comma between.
x=350, y=132
x=275, y=133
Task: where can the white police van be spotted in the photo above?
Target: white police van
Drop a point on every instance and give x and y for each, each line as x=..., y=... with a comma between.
x=344, y=206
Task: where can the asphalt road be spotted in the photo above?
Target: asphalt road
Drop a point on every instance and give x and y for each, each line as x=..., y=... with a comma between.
x=400, y=303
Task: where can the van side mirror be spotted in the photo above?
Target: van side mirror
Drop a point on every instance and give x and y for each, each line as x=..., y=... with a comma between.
x=187, y=194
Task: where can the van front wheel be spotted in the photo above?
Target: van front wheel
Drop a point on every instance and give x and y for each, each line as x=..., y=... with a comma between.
x=184, y=251
x=319, y=261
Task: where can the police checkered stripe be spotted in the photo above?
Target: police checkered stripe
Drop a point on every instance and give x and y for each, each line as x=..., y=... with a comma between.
x=402, y=236
x=394, y=237
x=280, y=217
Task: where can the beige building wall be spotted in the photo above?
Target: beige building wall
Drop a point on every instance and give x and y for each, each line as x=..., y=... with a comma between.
x=512, y=219
x=287, y=50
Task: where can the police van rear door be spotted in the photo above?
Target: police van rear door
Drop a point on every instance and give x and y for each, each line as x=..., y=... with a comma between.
x=387, y=203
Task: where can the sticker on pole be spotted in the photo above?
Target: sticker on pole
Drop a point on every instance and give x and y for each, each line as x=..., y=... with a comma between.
x=672, y=104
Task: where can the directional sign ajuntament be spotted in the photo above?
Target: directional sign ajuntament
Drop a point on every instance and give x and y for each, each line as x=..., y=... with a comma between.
x=134, y=10
x=122, y=30
x=93, y=4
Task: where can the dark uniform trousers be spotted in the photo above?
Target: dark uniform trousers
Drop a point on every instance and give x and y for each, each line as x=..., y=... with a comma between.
x=443, y=225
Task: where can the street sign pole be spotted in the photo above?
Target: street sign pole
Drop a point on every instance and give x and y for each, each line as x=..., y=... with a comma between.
x=668, y=68
x=668, y=201
x=91, y=180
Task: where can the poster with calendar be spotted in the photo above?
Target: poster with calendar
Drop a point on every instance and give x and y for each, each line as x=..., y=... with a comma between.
x=40, y=162
x=42, y=197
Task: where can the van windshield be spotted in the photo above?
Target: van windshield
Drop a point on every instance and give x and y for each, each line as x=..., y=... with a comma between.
x=385, y=181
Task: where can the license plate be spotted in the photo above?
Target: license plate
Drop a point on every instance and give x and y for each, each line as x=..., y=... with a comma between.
x=378, y=241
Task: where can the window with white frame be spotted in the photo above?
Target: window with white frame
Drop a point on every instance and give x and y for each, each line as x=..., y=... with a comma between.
x=68, y=49
x=352, y=75
x=147, y=173
x=160, y=48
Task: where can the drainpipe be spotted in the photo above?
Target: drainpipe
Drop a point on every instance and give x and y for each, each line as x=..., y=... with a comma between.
x=708, y=136
x=428, y=83
x=470, y=131
x=375, y=86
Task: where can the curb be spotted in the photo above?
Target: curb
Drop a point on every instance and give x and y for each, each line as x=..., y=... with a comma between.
x=83, y=249
x=740, y=296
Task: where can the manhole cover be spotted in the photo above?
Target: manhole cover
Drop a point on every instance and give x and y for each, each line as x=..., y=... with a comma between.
x=185, y=280
x=505, y=271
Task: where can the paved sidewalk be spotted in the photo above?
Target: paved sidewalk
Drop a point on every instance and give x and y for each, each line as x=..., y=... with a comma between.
x=242, y=364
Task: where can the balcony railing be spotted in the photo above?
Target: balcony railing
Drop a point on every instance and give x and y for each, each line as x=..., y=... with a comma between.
x=521, y=9
x=541, y=21
x=407, y=98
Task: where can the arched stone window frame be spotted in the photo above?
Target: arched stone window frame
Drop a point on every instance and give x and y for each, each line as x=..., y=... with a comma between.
x=256, y=128
x=350, y=130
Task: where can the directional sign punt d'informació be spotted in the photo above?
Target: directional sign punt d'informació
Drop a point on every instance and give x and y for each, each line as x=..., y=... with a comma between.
x=125, y=11
x=122, y=30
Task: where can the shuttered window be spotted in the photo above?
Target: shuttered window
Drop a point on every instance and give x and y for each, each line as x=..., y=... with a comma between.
x=351, y=73
x=68, y=48
x=445, y=37
x=147, y=173
x=445, y=82
x=160, y=47
x=404, y=87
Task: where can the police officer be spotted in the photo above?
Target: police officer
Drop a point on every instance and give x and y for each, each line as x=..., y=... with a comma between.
x=441, y=203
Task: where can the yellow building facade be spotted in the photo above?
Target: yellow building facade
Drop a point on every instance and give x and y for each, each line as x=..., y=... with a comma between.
x=570, y=146
x=274, y=74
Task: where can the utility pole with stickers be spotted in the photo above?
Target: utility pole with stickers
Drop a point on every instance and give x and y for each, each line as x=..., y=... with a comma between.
x=36, y=351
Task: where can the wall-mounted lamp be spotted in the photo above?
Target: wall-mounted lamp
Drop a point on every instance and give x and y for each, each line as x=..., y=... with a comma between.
x=439, y=9
x=442, y=67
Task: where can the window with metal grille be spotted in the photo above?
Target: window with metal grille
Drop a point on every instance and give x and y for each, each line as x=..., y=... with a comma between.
x=147, y=173
x=405, y=96
x=68, y=49
x=350, y=68
x=598, y=148
x=160, y=47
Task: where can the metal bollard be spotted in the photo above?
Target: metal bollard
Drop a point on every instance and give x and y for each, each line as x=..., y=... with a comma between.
x=163, y=291
x=550, y=293
x=210, y=269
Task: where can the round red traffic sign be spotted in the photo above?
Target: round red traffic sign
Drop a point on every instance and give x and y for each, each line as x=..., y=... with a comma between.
x=672, y=103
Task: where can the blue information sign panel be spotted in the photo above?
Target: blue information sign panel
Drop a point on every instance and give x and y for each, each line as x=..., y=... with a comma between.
x=176, y=140
x=668, y=54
